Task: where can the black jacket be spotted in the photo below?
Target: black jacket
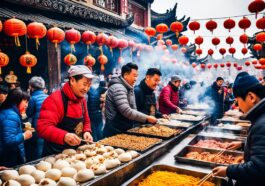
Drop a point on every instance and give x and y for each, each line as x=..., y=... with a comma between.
x=217, y=98
x=146, y=100
x=252, y=172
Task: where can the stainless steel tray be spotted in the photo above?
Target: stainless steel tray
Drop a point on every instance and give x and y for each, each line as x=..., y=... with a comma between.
x=189, y=120
x=233, y=120
x=242, y=133
x=180, y=157
x=138, y=178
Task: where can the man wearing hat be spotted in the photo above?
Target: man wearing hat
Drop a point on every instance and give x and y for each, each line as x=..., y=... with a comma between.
x=34, y=146
x=169, y=97
x=64, y=120
x=250, y=96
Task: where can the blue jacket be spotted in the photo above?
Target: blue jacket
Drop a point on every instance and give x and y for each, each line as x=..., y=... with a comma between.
x=252, y=172
x=12, y=150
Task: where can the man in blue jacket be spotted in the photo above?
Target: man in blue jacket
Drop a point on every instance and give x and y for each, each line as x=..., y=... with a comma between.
x=250, y=96
x=34, y=146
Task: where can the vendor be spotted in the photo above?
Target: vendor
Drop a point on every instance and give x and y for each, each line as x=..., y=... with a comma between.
x=250, y=96
x=64, y=119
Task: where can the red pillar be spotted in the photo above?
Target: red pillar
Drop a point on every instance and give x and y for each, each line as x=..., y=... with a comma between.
x=124, y=6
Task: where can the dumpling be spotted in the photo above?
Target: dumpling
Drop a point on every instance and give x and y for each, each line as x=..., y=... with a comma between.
x=11, y=183
x=109, y=148
x=81, y=157
x=111, y=154
x=69, y=152
x=50, y=159
x=9, y=175
x=111, y=163
x=119, y=151
x=65, y=181
x=125, y=157
x=34, y=184
x=84, y=175
x=44, y=166
x=60, y=164
x=68, y=172
x=100, y=158
x=101, y=150
x=25, y=180
x=99, y=168
x=38, y=175
x=47, y=182
x=53, y=174
x=91, y=161
x=60, y=156
x=133, y=153
x=90, y=153
x=78, y=165
x=26, y=169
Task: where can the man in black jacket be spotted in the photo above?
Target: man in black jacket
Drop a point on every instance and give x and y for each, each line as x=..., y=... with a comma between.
x=144, y=93
x=250, y=96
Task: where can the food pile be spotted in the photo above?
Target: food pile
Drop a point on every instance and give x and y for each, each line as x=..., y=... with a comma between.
x=70, y=167
x=132, y=142
x=213, y=144
x=222, y=159
x=174, y=123
x=198, y=106
x=192, y=112
x=235, y=113
x=185, y=117
x=229, y=126
x=165, y=178
x=156, y=130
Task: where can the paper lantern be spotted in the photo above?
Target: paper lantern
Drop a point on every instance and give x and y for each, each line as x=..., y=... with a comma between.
x=215, y=41
x=247, y=63
x=199, y=40
x=28, y=60
x=36, y=31
x=194, y=26
x=239, y=68
x=183, y=40
x=1, y=26
x=89, y=61
x=228, y=64
x=222, y=51
x=244, y=51
x=260, y=37
x=198, y=51
x=102, y=39
x=232, y=51
x=203, y=65
x=243, y=39
x=254, y=62
x=257, y=47
x=235, y=65
x=122, y=44
x=260, y=23
x=55, y=35
x=168, y=42
x=4, y=60
x=193, y=65
x=102, y=60
x=244, y=23
x=209, y=65
x=211, y=25
x=222, y=65
x=72, y=36
x=70, y=59
x=210, y=52
x=256, y=6
x=176, y=27
x=229, y=40
x=174, y=47
x=262, y=61
x=161, y=28
x=183, y=50
x=14, y=27
x=150, y=32
x=215, y=65
x=229, y=24
x=88, y=38
x=112, y=43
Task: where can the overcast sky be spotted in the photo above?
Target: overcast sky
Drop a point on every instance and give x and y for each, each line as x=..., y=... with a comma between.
x=201, y=9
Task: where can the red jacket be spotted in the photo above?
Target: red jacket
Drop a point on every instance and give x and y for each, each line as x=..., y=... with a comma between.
x=52, y=113
x=168, y=100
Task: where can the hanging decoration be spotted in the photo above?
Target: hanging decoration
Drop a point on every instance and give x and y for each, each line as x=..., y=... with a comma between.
x=210, y=52
x=122, y=44
x=254, y=62
x=235, y=65
x=150, y=32
x=256, y=6
x=215, y=41
x=102, y=60
x=260, y=37
x=229, y=24
x=174, y=47
x=229, y=40
x=70, y=59
x=244, y=23
x=232, y=51
x=55, y=35
x=215, y=66
x=260, y=23
x=203, y=65
x=162, y=28
x=14, y=27
x=199, y=40
x=257, y=47
x=89, y=61
x=228, y=64
x=247, y=63
x=28, y=60
x=211, y=25
x=101, y=39
x=89, y=38
x=183, y=50
x=239, y=68
x=244, y=51
x=183, y=40
x=36, y=31
x=262, y=61
x=168, y=42
x=112, y=43
x=72, y=36
x=194, y=26
x=243, y=39
x=222, y=65
x=193, y=65
x=176, y=27
x=198, y=51
x=209, y=65
x=4, y=60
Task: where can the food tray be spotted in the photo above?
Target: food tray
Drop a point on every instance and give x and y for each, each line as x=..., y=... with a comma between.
x=178, y=117
x=233, y=120
x=180, y=157
x=197, y=138
x=194, y=113
x=242, y=133
x=133, y=132
x=142, y=175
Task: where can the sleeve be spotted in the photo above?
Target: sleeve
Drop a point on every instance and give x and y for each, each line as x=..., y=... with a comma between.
x=138, y=98
x=166, y=99
x=121, y=101
x=10, y=135
x=254, y=168
x=51, y=114
x=30, y=109
x=87, y=124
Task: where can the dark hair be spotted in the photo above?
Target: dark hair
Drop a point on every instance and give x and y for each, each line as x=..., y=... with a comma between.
x=14, y=97
x=77, y=77
x=3, y=89
x=259, y=90
x=153, y=71
x=128, y=68
x=219, y=79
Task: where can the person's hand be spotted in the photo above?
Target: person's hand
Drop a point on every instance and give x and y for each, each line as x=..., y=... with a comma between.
x=234, y=145
x=72, y=139
x=165, y=116
x=88, y=137
x=151, y=119
x=3, y=168
x=220, y=171
x=179, y=110
x=27, y=134
x=220, y=91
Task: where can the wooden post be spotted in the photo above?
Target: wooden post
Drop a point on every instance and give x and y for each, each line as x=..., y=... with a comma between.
x=54, y=66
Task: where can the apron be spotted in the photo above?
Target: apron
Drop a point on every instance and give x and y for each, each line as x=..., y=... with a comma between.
x=71, y=125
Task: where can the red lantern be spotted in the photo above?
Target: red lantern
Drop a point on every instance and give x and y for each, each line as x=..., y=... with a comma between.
x=210, y=52
x=229, y=24
x=183, y=40
x=4, y=60
x=198, y=51
x=174, y=60
x=36, y=31
x=193, y=65
x=203, y=65
x=174, y=47
x=260, y=23
x=102, y=39
x=229, y=40
x=254, y=62
x=232, y=51
x=262, y=61
x=176, y=27
x=235, y=65
x=70, y=59
x=222, y=51
x=72, y=36
x=88, y=38
x=222, y=65
x=168, y=42
x=257, y=47
x=262, y=67
x=239, y=68
x=211, y=25
x=247, y=63
x=102, y=60
x=161, y=28
x=150, y=32
x=28, y=60
x=14, y=27
x=215, y=65
x=244, y=23
x=1, y=26
x=159, y=37
x=160, y=42
x=243, y=39
x=244, y=51
x=55, y=35
x=260, y=37
x=89, y=61
x=112, y=42
x=194, y=26
x=228, y=64
x=258, y=67
x=199, y=40
x=131, y=43
x=183, y=50
x=209, y=65
x=256, y=6
x=122, y=44
x=216, y=41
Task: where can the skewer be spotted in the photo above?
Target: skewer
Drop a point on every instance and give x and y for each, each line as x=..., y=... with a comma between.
x=91, y=142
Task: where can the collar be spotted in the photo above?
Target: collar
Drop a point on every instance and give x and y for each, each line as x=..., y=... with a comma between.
x=36, y=92
x=70, y=94
x=14, y=108
x=255, y=111
x=173, y=87
x=145, y=88
x=214, y=85
x=124, y=82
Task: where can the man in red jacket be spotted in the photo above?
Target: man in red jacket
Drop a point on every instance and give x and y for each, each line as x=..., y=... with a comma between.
x=169, y=97
x=63, y=119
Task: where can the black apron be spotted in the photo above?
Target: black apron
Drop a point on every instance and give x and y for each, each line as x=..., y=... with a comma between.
x=71, y=125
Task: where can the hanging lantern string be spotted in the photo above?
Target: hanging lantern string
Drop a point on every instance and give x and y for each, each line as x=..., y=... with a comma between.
x=227, y=17
x=216, y=36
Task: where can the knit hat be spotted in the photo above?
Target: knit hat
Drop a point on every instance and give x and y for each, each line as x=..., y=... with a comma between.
x=244, y=84
x=75, y=70
x=175, y=78
x=241, y=74
x=37, y=82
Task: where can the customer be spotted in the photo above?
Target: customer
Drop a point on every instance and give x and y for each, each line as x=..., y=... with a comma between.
x=3, y=93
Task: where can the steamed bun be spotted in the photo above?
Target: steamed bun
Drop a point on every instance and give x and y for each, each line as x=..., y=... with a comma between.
x=25, y=180
x=9, y=175
x=66, y=181
x=53, y=174
x=26, y=169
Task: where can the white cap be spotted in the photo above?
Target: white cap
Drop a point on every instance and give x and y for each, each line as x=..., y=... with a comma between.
x=80, y=70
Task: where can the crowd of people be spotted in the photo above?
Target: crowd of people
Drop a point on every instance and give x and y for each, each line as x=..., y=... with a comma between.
x=78, y=112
